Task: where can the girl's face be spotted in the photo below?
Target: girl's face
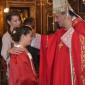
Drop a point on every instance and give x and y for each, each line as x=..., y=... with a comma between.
x=15, y=21
x=26, y=39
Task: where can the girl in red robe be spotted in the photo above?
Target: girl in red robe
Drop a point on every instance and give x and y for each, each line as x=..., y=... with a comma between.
x=21, y=68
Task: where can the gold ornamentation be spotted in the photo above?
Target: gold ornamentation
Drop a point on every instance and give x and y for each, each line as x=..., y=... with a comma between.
x=83, y=79
x=60, y=45
x=82, y=44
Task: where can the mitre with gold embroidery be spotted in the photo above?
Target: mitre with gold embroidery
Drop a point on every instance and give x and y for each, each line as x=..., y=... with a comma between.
x=61, y=6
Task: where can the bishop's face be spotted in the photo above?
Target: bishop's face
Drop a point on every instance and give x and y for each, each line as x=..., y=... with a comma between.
x=60, y=19
x=64, y=20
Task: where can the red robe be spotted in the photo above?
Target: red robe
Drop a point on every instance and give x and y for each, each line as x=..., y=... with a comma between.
x=20, y=70
x=54, y=61
x=78, y=51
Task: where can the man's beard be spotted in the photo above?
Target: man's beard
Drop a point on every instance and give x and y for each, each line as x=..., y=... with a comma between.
x=57, y=26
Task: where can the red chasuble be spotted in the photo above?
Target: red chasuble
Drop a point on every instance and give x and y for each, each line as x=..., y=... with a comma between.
x=54, y=60
x=21, y=72
x=78, y=51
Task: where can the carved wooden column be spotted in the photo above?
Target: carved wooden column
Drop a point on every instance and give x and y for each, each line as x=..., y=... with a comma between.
x=44, y=15
x=47, y=16
x=1, y=17
x=38, y=16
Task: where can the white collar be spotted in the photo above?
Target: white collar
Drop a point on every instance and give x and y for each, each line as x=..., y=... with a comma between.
x=18, y=45
x=28, y=53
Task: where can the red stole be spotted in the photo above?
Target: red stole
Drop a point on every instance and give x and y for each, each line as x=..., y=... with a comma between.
x=78, y=51
x=20, y=72
x=50, y=57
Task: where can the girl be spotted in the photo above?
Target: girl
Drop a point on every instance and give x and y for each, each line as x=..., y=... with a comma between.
x=13, y=20
x=22, y=71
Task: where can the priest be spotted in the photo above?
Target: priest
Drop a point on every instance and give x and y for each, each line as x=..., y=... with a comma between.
x=54, y=55
x=74, y=40
x=62, y=54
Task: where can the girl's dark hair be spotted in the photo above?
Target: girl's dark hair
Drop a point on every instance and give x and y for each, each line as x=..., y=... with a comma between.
x=30, y=22
x=9, y=17
x=12, y=13
x=18, y=32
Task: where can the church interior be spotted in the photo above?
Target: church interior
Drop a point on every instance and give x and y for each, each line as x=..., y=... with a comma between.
x=40, y=10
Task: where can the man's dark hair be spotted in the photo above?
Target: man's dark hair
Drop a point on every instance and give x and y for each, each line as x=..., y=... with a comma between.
x=28, y=21
x=18, y=32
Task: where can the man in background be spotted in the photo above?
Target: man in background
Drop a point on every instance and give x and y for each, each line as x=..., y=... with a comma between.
x=35, y=44
x=36, y=36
